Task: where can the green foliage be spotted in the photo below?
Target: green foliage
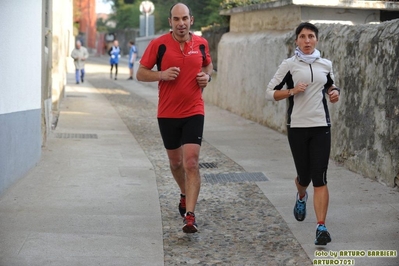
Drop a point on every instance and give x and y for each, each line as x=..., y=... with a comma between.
x=205, y=12
x=127, y=16
x=101, y=25
x=229, y=4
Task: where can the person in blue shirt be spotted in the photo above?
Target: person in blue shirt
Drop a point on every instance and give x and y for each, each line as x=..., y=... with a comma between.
x=114, y=53
x=132, y=58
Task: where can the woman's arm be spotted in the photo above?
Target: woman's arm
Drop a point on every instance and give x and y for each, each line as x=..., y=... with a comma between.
x=334, y=93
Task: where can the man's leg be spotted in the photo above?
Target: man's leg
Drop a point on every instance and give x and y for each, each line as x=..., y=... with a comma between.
x=193, y=178
x=185, y=170
x=176, y=167
x=82, y=74
x=130, y=71
x=77, y=75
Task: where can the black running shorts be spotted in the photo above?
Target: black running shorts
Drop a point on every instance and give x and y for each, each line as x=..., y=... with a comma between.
x=176, y=132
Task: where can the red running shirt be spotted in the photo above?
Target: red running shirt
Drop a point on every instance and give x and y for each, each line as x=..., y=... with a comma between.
x=181, y=97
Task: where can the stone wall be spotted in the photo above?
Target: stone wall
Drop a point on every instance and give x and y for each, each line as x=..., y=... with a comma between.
x=365, y=132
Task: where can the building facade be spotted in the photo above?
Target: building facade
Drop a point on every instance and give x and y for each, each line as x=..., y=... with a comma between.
x=85, y=19
x=26, y=81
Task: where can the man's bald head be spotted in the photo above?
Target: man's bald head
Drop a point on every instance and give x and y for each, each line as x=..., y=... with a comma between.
x=179, y=5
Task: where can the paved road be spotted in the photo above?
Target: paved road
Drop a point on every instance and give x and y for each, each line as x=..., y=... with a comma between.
x=103, y=194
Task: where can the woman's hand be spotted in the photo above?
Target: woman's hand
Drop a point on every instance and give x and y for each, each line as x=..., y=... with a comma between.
x=334, y=96
x=300, y=87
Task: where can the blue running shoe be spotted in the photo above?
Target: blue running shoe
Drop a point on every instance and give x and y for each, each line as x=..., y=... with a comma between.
x=322, y=235
x=300, y=207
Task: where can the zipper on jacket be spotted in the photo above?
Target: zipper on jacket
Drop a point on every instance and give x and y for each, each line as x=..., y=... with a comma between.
x=311, y=72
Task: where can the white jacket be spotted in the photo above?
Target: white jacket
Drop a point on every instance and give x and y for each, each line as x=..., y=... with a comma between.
x=307, y=109
x=78, y=55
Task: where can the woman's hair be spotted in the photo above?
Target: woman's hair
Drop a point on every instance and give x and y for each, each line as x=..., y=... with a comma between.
x=306, y=25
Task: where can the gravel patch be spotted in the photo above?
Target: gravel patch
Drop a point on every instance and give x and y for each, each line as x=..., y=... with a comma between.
x=237, y=223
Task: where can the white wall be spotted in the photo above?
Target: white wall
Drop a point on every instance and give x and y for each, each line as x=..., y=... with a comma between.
x=20, y=88
x=63, y=44
x=20, y=63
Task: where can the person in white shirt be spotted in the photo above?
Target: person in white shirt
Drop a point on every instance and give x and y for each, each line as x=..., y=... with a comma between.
x=79, y=55
x=307, y=81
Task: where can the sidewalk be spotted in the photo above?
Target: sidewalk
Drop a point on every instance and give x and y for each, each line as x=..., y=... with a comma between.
x=87, y=201
x=103, y=194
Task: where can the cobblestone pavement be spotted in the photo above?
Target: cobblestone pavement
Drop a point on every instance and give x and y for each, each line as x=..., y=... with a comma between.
x=237, y=224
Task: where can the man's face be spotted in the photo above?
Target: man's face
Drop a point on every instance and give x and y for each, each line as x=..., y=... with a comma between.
x=181, y=21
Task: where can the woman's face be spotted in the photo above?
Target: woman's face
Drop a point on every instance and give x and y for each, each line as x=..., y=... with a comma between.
x=306, y=41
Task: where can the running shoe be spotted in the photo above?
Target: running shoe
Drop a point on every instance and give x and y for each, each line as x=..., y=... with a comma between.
x=182, y=205
x=322, y=235
x=300, y=207
x=190, y=226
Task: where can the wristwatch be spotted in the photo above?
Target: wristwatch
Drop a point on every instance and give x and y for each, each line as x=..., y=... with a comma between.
x=210, y=78
x=336, y=89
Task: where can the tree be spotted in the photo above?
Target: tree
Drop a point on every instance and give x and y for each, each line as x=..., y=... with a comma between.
x=205, y=12
x=101, y=25
x=126, y=16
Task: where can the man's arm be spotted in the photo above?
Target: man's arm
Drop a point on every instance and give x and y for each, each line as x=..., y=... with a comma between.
x=204, y=77
x=85, y=54
x=73, y=55
x=148, y=75
x=208, y=69
x=134, y=55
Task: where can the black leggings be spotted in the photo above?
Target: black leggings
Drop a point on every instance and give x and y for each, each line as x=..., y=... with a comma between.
x=116, y=69
x=310, y=148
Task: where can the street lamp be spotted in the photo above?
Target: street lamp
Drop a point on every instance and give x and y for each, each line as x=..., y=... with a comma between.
x=146, y=8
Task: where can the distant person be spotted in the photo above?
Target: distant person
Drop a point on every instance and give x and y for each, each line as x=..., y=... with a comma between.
x=309, y=82
x=184, y=69
x=132, y=58
x=79, y=55
x=114, y=53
